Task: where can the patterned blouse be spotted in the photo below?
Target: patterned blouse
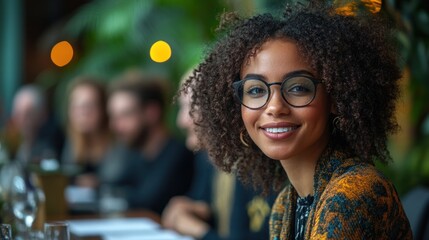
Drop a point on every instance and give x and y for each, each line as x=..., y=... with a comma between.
x=352, y=200
x=303, y=207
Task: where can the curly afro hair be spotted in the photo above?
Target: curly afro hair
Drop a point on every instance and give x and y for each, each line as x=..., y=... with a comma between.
x=351, y=55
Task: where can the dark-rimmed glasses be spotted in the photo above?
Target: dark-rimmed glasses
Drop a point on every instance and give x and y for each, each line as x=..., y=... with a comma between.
x=298, y=90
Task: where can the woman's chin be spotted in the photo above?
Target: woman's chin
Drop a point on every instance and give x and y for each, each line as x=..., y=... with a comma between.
x=277, y=154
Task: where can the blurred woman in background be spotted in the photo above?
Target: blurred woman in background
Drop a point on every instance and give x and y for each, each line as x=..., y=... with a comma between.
x=88, y=134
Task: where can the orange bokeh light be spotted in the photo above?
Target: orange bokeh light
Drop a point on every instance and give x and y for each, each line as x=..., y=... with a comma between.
x=62, y=53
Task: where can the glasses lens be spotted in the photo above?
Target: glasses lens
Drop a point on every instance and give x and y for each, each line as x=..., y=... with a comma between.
x=253, y=93
x=299, y=91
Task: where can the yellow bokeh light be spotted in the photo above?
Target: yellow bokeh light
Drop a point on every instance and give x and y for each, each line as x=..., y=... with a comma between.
x=62, y=53
x=160, y=52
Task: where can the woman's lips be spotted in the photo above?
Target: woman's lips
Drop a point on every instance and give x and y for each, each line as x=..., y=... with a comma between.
x=279, y=131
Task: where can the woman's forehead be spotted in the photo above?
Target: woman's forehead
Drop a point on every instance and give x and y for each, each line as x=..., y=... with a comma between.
x=276, y=56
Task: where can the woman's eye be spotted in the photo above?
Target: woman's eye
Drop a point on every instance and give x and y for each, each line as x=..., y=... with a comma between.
x=299, y=90
x=256, y=91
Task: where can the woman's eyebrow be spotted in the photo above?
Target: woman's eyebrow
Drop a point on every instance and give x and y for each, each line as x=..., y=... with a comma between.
x=298, y=72
x=287, y=75
x=255, y=76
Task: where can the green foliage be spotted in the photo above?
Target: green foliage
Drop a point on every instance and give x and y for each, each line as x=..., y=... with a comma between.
x=116, y=35
x=111, y=36
x=412, y=20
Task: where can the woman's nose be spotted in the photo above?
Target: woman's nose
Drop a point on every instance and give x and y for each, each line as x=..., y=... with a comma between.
x=276, y=105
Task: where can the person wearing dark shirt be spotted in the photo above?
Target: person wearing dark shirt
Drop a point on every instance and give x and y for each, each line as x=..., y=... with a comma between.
x=201, y=188
x=150, y=183
x=243, y=216
x=218, y=206
x=156, y=166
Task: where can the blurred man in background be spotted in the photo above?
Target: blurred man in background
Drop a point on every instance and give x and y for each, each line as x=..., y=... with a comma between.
x=157, y=166
x=39, y=137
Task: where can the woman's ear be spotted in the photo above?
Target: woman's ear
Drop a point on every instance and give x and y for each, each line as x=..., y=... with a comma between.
x=333, y=107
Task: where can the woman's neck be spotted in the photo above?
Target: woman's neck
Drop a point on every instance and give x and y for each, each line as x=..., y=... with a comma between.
x=95, y=139
x=93, y=145
x=301, y=169
x=301, y=176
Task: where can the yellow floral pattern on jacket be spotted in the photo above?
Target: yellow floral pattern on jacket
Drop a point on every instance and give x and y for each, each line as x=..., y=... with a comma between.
x=258, y=210
x=352, y=200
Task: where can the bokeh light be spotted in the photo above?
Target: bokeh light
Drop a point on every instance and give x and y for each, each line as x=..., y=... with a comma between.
x=160, y=52
x=62, y=53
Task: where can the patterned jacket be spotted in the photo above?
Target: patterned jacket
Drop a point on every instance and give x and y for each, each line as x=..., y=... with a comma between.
x=352, y=200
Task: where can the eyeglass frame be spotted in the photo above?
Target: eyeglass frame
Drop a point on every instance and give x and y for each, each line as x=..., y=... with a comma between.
x=236, y=85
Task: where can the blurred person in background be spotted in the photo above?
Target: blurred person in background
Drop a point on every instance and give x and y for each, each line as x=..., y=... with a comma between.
x=39, y=135
x=217, y=206
x=156, y=166
x=88, y=132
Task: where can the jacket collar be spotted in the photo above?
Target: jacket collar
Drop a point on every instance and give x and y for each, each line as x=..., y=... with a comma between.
x=283, y=217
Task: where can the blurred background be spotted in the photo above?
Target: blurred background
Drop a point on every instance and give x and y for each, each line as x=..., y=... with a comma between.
x=167, y=37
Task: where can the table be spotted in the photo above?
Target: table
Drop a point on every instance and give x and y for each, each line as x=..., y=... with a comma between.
x=129, y=214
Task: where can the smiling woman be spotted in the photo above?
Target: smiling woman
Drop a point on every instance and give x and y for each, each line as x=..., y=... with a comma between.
x=294, y=130
x=308, y=97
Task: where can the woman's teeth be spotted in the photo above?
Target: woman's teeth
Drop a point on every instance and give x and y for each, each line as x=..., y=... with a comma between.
x=280, y=130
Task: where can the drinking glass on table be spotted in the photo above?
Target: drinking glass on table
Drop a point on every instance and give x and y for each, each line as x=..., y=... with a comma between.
x=5, y=232
x=57, y=231
x=24, y=198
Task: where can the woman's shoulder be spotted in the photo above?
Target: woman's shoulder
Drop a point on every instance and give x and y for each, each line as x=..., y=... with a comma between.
x=360, y=184
x=361, y=198
x=357, y=173
x=358, y=180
